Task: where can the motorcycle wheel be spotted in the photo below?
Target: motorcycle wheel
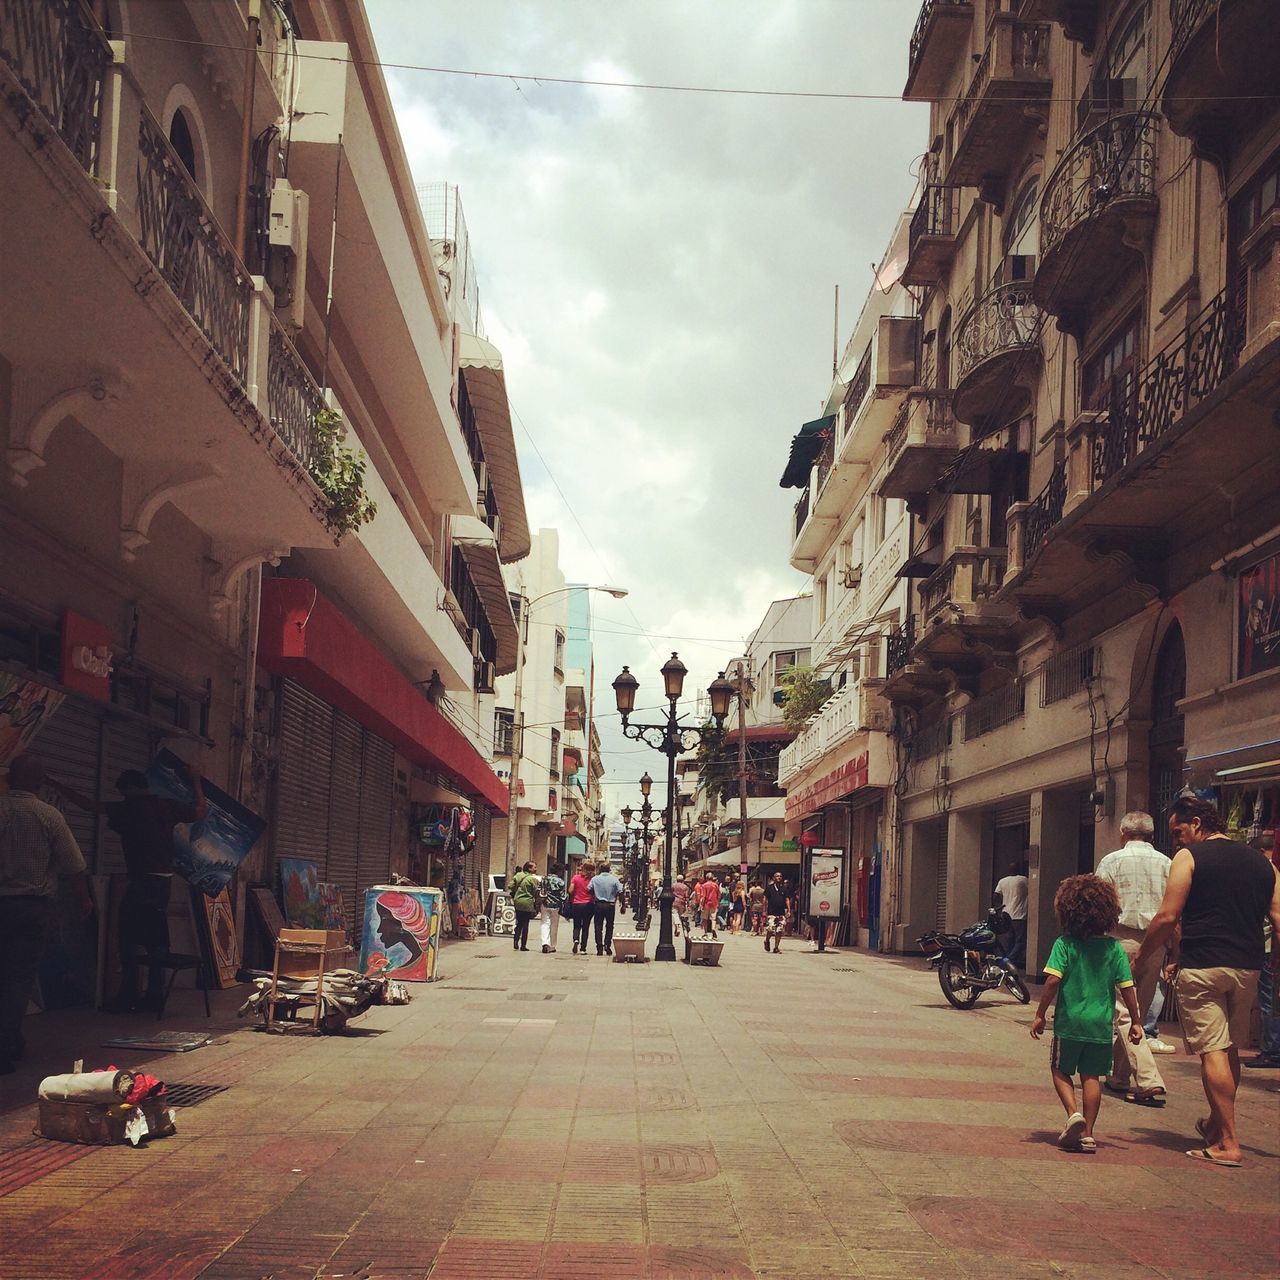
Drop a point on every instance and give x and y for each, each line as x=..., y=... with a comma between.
x=1017, y=987
x=950, y=977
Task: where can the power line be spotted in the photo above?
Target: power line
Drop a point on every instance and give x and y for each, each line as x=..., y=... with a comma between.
x=649, y=86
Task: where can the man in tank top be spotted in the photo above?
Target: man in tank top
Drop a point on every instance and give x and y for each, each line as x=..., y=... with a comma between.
x=1223, y=893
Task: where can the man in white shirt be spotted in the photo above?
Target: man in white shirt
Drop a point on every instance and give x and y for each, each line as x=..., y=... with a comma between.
x=1011, y=896
x=1139, y=873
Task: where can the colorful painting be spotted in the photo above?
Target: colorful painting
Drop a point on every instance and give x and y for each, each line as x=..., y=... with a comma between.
x=333, y=909
x=1258, y=629
x=401, y=932
x=25, y=708
x=205, y=853
x=218, y=926
x=300, y=890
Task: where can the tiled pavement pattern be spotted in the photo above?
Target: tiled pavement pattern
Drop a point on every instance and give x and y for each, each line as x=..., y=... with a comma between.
x=774, y=1117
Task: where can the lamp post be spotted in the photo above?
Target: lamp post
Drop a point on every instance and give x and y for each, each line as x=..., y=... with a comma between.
x=517, y=712
x=672, y=739
x=641, y=912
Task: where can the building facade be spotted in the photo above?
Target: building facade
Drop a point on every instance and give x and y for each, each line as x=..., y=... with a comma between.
x=1093, y=254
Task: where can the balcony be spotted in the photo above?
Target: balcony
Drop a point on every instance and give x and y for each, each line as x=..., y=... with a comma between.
x=1079, y=18
x=962, y=624
x=890, y=364
x=198, y=390
x=909, y=682
x=940, y=39
x=855, y=708
x=1222, y=62
x=1096, y=216
x=997, y=355
x=1197, y=410
x=932, y=240
x=1006, y=101
x=923, y=439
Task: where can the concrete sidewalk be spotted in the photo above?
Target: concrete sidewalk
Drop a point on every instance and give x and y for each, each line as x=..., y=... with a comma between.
x=792, y=1116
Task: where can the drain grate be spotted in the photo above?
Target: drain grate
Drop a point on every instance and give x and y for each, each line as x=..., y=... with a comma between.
x=191, y=1095
x=576, y=977
x=484, y=955
x=532, y=995
x=838, y=970
x=453, y=986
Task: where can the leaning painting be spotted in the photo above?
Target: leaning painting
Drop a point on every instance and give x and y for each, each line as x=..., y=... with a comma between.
x=401, y=932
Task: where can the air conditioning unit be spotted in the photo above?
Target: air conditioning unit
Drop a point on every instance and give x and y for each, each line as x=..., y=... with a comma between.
x=486, y=676
x=287, y=251
x=1104, y=98
x=851, y=577
x=898, y=351
x=475, y=642
x=482, y=485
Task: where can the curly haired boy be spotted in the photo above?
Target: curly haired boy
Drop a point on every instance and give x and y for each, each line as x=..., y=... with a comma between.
x=1085, y=968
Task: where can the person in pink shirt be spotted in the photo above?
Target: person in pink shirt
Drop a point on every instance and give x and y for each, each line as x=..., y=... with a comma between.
x=580, y=904
x=708, y=892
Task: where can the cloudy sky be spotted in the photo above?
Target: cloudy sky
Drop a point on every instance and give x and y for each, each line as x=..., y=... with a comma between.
x=658, y=270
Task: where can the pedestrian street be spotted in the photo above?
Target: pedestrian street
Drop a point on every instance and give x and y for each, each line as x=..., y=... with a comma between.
x=556, y=1116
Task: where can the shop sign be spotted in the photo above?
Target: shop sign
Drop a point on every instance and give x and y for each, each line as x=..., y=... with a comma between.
x=86, y=656
x=1258, y=626
x=790, y=846
x=839, y=782
x=826, y=882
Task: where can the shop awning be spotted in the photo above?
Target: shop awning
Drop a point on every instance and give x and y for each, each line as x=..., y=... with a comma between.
x=481, y=366
x=805, y=448
x=304, y=636
x=479, y=549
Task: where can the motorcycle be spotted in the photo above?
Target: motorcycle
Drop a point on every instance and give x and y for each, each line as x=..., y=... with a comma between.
x=972, y=962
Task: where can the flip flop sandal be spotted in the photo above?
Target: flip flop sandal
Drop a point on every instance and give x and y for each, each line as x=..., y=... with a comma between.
x=1141, y=1099
x=1204, y=1156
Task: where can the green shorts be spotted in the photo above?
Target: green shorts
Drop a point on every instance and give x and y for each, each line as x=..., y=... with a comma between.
x=1081, y=1057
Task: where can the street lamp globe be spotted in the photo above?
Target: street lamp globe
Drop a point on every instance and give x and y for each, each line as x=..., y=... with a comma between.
x=624, y=692
x=721, y=692
x=673, y=674
x=626, y=816
x=646, y=785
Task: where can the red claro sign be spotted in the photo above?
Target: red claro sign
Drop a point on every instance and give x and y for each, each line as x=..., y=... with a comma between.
x=86, y=656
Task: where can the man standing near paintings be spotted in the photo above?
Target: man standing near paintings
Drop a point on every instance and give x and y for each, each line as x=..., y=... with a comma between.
x=144, y=822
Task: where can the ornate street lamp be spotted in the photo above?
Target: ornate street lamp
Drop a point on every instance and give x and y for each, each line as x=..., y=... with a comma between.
x=672, y=739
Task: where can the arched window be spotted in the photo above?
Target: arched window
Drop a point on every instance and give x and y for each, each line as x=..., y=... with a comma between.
x=1122, y=75
x=1022, y=226
x=183, y=143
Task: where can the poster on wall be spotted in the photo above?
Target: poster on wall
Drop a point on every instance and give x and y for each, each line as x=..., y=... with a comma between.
x=826, y=882
x=25, y=708
x=205, y=853
x=1258, y=629
x=401, y=932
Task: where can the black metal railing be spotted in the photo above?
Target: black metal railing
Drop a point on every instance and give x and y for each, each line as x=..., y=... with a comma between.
x=935, y=215
x=992, y=710
x=1167, y=387
x=1116, y=160
x=931, y=740
x=898, y=645
x=1004, y=319
x=1068, y=672
x=1185, y=17
x=858, y=388
x=183, y=240
x=921, y=31
x=1044, y=511
x=801, y=514
x=60, y=57
x=293, y=397
x=896, y=437
x=826, y=460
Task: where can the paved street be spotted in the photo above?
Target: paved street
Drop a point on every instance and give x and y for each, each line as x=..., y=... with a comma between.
x=556, y=1116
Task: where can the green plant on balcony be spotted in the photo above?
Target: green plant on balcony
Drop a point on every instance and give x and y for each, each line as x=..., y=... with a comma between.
x=339, y=473
x=803, y=693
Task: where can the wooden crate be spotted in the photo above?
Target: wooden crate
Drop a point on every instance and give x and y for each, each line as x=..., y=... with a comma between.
x=628, y=946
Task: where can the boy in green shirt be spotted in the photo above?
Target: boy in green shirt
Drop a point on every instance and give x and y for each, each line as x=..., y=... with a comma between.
x=1085, y=968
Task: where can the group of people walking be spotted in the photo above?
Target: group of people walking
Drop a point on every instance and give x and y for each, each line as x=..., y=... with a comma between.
x=712, y=904
x=1199, y=921
x=589, y=898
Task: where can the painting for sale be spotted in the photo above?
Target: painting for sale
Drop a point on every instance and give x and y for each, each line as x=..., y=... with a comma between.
x=401, y=932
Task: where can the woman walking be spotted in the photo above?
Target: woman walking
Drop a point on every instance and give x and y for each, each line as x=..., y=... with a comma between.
x=738, y=907
x=524, y=898
x=580, y=904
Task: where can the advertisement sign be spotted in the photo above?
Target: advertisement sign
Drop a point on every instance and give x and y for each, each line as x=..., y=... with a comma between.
x=86, y=656
x=1258, y=625
x=826, y=882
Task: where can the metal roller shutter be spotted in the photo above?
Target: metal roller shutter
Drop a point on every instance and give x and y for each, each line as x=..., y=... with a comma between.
x=70, y=746
x=345, y=785
x=1014, y=812
x=940, y=907
x=300, y=828
x=377, y=783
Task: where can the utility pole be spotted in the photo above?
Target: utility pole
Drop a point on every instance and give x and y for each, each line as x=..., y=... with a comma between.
x=517, y=738
x=742, y=764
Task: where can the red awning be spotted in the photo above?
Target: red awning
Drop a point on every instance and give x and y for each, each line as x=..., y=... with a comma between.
x=304, y=636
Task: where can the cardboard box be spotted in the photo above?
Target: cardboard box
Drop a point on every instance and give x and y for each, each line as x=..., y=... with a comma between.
x=313, y=945
x=94, y=1124
x=698, y=951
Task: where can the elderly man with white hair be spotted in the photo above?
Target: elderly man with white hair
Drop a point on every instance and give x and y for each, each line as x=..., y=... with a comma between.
x=1139, y=872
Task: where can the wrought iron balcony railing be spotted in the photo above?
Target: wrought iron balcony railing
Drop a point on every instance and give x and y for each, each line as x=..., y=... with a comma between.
x=1171, y=383
x=1004, y=319
x=60, y=56
x=919, y=35
x=293, y=397
x=898, y=646
x=800, y=515
x=1114, y=161
x=1045, y=510
x=1185, y=17
x=935, y=215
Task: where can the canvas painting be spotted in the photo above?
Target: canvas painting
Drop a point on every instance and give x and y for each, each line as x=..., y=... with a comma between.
x=333, y=910
x=401, y=933
x=205, y=853
x=25, y=708
x=300, y=886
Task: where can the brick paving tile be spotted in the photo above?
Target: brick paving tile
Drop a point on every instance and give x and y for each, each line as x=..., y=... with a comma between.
x=480, y=1138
